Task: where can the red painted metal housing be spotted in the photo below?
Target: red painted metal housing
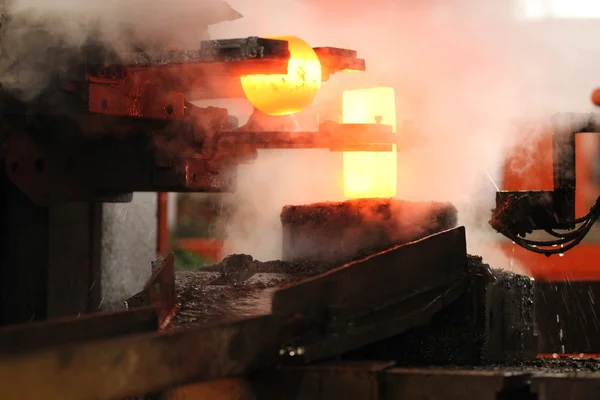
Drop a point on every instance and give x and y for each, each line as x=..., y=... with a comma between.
x=530, y=168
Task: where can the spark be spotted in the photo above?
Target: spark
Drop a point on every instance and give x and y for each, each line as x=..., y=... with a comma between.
x=491, y=180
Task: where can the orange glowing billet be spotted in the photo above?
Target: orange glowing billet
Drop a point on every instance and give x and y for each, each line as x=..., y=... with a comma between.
x=370, y=174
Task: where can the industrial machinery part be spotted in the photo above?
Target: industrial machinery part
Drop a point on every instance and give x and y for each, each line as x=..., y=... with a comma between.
x=520, y=213
x=112, y=126
x=188, y=159
x=412, y=286
x=433, y=307
x=336, y=230
x=323, y=315
x=386, y=381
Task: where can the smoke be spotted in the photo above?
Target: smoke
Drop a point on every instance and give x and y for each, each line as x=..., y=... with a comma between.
x=465, y=72
x=44, y=39
x=275, y=179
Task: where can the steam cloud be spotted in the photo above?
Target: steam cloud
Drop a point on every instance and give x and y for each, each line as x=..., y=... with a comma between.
x=42, y=39
x=464, y=71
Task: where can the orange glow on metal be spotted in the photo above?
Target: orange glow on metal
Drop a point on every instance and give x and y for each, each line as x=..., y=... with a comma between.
x=370, y=174
x=567, y=356
x=290, y=93
x=596, y=97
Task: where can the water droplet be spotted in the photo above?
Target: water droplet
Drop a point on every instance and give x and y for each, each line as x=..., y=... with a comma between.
x=561, y=254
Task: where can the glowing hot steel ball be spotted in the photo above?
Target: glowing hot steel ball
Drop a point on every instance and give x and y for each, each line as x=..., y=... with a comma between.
x=370, y=174
x=290, y=93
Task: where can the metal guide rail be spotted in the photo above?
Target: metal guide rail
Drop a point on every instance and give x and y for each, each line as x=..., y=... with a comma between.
x=369, y=300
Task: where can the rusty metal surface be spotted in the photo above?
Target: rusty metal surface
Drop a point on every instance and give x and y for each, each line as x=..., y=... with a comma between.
x=139, y=364
x=572, y=386
x=30, y=168
x=335, y=60
x=221, y=389
x=104, y=169
x=439, y=384
x=511, y=334
x=352, y=306
x=210, y=51
x=331, y=135
x=42, y=335
x=349, y=381
x=159, y=291
x=375, y=380
x=337, y=230
x=359, y=380
x=241, y=145
x=146, y=102
x=146, y=85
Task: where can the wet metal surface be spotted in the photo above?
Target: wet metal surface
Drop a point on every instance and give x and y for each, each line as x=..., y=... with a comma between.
x=353, y=306
x=42, y=335
x=322, y=317
x=450, y=385
x=383, y=381
x=567, y=316
x=489, y=324
x=147, y=363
